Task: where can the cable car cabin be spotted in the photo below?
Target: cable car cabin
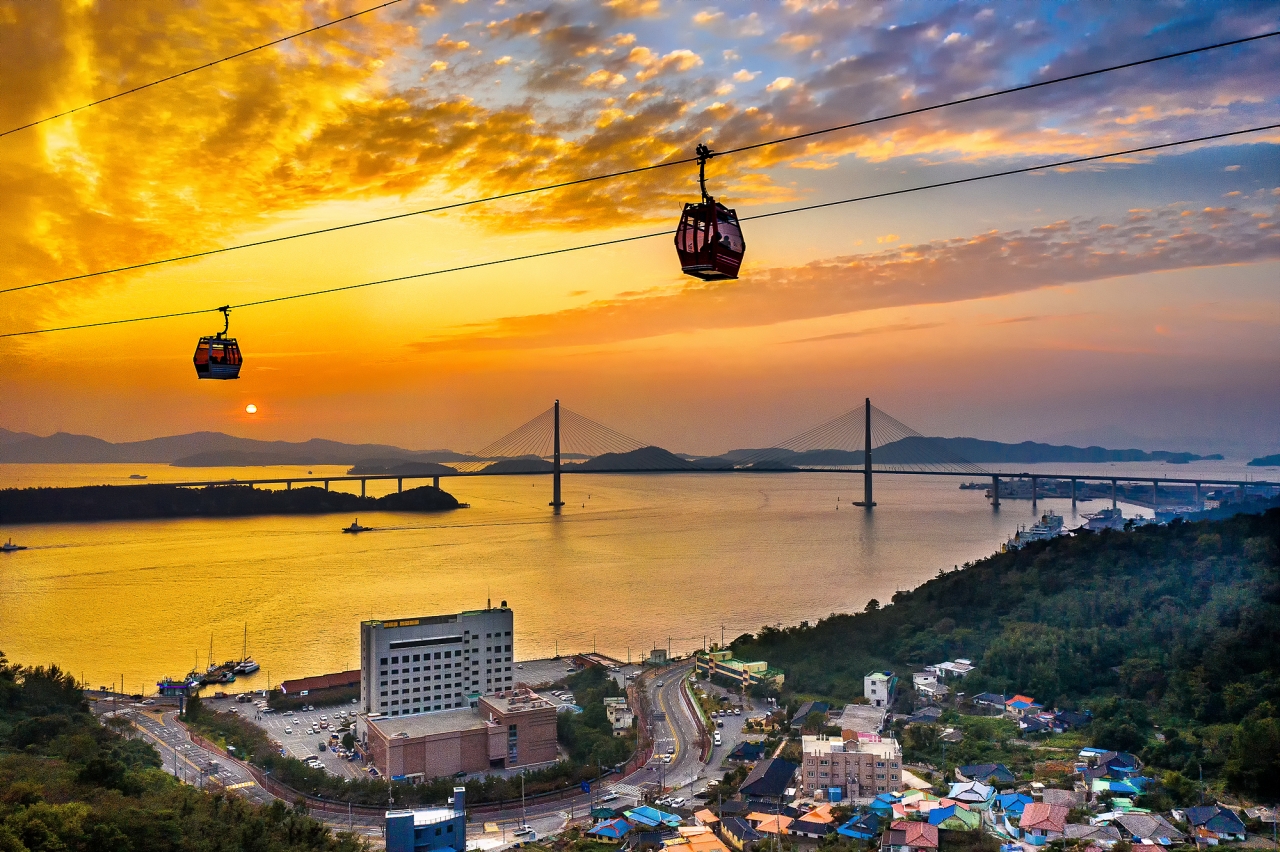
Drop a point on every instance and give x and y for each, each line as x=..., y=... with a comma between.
x=217, y=357
x=709, y=241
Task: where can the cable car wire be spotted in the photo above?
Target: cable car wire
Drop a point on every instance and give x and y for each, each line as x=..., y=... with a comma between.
x=639, y=169
x=241, y=53
x=637, y=237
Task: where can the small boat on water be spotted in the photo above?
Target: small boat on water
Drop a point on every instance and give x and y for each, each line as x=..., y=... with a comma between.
x=356, y=528
x=10, y=547
x=247, y=665
x=137, y=476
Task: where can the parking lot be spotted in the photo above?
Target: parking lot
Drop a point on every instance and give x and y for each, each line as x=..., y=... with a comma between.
x=293, y=730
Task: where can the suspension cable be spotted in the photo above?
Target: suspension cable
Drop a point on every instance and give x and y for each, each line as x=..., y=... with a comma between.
x=637, y=170
x=551, y=252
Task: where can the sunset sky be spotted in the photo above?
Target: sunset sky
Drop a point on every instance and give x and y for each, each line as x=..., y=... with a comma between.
x=1116, y=302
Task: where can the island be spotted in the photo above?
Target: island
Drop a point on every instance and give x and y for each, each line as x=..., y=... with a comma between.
x=139, y=502
x=1272, y=460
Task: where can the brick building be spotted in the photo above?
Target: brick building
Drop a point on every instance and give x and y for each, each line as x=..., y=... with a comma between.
x=516, y=728
x=859, y=768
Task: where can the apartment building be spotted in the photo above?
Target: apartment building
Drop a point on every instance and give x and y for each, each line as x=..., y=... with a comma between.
x=858, y=768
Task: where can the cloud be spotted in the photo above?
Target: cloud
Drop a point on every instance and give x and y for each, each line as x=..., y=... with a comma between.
x=677, y=61
x=745, y=76
x=780, y=84
x=708, y=17
x=982, y=266
x=865, y=332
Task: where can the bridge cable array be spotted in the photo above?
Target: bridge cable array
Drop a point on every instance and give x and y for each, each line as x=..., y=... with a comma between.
x=580, y=437
x=624, y=172
x=841, y=441
x=551, y=252
x=210, y=64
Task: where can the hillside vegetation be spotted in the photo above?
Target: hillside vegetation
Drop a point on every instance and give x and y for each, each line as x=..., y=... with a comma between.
x=68, y=783
x=1177, y=626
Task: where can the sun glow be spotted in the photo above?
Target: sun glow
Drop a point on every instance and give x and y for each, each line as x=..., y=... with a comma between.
x=251, y=408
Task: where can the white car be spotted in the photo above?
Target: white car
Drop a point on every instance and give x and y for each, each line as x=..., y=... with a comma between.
x=288, y=730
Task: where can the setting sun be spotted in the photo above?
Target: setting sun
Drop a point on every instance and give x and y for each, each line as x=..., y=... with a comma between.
x=251, y=408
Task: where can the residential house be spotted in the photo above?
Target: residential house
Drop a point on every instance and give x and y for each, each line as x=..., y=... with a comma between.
x=879, y=687
x=956, y=668
x=619, y=715
x=1212, y=823
x=925, y=716
x=1104, y=836
x=769, y=779
x=861, y=827
x=705, y=817
x=973, y=793
x=1068, y=798
x=650, y=817
x=817, y=823
x=882, y=805
x=1021, y=705
x=738, y=833
x=989, y=701
x=612, y=829
x=746, y=752
x=914, y=803
x=908, y=836
x=695, y=838
x=1041, y=823
x=1149, y=828
x=1119, y=765
x=1067, y=720
x=1033, y=725
x=807, y=709
x=862, y=719
x=1011, y=804
x=987, y=773
x=955, y=816
x=770, y=823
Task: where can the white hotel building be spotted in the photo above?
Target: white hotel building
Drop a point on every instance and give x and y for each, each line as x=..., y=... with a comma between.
x=435, y=662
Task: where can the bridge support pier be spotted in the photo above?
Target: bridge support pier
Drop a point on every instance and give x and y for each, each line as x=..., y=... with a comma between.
x=1155, y=494
x=868, y=499
x=1034, y=494
x=288, y=486
x=435, y=482
x=1073, y=495
x=1113, y=494
x=326, y=485
x=362, y=488
x=1199, y=501
x=995, y=493
x=556, y=502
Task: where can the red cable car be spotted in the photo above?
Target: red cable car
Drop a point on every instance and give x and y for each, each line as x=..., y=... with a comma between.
x=709, y=238
x=218, y=357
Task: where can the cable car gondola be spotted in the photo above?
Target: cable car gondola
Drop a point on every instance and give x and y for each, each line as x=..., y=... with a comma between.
x=218, y=357
x=709, y=238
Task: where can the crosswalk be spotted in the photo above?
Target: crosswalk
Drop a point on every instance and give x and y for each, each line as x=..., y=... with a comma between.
x=628, y=790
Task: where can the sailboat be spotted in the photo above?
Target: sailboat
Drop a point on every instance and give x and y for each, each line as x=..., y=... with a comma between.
x=247, y=664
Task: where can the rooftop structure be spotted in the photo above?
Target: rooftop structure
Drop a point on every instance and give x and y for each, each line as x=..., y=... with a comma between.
x=428, y=829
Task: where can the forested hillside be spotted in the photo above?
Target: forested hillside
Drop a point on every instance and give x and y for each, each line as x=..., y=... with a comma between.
x=67, y=783
x=1176, y=625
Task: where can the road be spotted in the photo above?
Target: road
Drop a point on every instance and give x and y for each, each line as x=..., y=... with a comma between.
x=201, y=767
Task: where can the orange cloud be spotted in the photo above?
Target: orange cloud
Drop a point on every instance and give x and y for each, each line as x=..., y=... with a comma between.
x=985, y=265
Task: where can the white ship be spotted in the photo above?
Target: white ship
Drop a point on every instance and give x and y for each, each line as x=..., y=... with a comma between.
x=1049, y=526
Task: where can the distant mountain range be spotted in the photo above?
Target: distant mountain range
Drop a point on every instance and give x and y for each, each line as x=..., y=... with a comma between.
x=216, y=449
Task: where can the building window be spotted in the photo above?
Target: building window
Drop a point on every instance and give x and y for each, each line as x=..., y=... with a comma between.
x=383, y=661
x=395, y=661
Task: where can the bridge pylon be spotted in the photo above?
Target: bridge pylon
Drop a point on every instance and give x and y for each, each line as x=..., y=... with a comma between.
x=866, y=502
x=556, y=502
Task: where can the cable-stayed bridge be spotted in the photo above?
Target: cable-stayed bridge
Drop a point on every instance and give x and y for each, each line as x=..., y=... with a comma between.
x=865, y=440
